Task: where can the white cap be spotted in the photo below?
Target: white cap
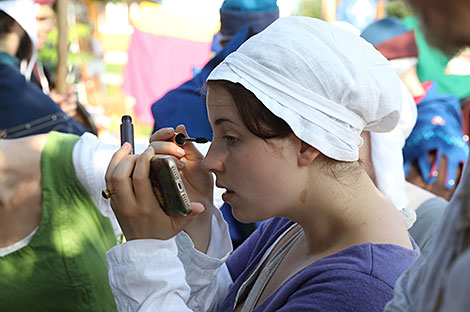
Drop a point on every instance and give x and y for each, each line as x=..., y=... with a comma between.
x=326, y=83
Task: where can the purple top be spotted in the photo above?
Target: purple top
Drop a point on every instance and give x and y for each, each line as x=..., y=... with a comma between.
x=358, y=278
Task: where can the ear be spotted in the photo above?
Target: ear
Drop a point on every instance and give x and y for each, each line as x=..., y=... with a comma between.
x=307, y=154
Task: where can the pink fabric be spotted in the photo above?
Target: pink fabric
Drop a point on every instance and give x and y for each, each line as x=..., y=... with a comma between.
x=158, y=64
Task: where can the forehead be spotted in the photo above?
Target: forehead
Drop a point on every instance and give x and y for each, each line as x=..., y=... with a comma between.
x=220, y=102
x=45, y=10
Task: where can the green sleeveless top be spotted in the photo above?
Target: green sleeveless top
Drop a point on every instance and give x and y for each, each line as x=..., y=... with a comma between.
x=63, y=268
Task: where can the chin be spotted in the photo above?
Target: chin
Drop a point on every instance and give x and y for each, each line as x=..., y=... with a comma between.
x=244, y=217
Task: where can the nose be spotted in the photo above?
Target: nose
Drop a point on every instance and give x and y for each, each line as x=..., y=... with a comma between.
x=214, y=160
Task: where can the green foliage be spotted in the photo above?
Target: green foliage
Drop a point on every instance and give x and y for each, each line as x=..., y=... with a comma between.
x=310, y=8
x=114, y=68
x=399, y=9
x=49, y=52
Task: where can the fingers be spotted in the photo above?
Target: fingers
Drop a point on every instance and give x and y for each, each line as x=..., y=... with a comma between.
x=425, y=168
x=142, y=186
x=168, y=148
x=163, y=134
x=122, y=182
x=191, y=151
x=115, y=160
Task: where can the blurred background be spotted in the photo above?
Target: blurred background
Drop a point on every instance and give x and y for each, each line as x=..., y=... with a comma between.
x=123, y=55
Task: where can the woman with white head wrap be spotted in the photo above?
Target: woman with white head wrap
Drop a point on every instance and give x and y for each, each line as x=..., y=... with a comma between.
x=287, y=110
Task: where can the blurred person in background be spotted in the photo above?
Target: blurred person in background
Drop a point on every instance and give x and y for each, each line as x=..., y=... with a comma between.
x=54, y=225
x=25, y=109
x=439, y=280
x=398, y=44
x=45, y=21
x=358, y=13
x=436, y=150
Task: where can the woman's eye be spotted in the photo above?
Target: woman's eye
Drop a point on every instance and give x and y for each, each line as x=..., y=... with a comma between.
x=230, y=139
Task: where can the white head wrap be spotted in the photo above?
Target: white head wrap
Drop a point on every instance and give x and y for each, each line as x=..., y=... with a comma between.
x=327, y=83
x=387, y=158
x=24, y=13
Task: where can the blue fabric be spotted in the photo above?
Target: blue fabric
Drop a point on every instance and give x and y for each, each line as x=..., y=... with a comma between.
x=438, y=128
x=232, y=22
x=215, y=45
x=383, y=30
x=237, y=14
x=249, y=6
x=359, y=278
x=25, y=110
x=185, y=104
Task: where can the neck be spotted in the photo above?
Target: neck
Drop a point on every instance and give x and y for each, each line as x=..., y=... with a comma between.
x=337, y=215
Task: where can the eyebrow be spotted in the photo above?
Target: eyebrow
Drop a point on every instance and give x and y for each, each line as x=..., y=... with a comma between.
x=222, y=120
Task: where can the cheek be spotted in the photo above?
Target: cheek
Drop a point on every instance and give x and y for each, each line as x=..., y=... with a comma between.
x=263, y=179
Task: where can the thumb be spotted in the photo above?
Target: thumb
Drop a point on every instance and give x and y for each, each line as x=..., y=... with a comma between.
x=196, y=210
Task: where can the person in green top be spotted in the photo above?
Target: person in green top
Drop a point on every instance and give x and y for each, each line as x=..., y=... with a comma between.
x=54, y=231
x=432, y=63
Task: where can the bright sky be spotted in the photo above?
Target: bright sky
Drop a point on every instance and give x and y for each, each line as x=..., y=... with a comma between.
x=210, y=8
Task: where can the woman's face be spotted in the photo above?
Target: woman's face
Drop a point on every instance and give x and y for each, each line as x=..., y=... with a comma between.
x=45, y=23
x=259, y=176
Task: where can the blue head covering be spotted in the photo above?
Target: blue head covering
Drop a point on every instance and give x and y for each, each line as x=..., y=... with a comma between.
x=438, y=128
x=383, y=30
x=237, y=14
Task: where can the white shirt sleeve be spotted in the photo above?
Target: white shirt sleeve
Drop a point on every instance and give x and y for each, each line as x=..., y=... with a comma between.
x=90, y=159
x=171, y=275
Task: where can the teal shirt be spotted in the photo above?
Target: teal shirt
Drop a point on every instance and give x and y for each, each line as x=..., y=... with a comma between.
x=64, y=267
x=6, y=58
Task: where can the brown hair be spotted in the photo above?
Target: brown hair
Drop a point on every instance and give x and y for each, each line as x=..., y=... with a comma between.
x=8, y=25
x=256, y=117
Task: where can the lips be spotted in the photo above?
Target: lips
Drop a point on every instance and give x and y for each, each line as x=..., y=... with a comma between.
x=228, y=194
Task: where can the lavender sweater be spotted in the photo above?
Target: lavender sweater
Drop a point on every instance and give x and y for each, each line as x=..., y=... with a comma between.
x=359, y=278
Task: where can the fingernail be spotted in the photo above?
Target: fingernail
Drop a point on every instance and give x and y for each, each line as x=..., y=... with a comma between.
x=180, y=151
x=169, y=131
x=180, y=164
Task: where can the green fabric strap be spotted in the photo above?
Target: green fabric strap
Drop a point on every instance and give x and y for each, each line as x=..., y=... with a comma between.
x=63, y=268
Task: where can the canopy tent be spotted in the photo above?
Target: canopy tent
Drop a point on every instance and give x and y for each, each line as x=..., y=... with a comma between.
x=163, y=52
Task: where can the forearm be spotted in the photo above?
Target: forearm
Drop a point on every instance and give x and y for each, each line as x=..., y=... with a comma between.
x=206, y=274
x=200, y=230
x=146, y=275
x=170, y=275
